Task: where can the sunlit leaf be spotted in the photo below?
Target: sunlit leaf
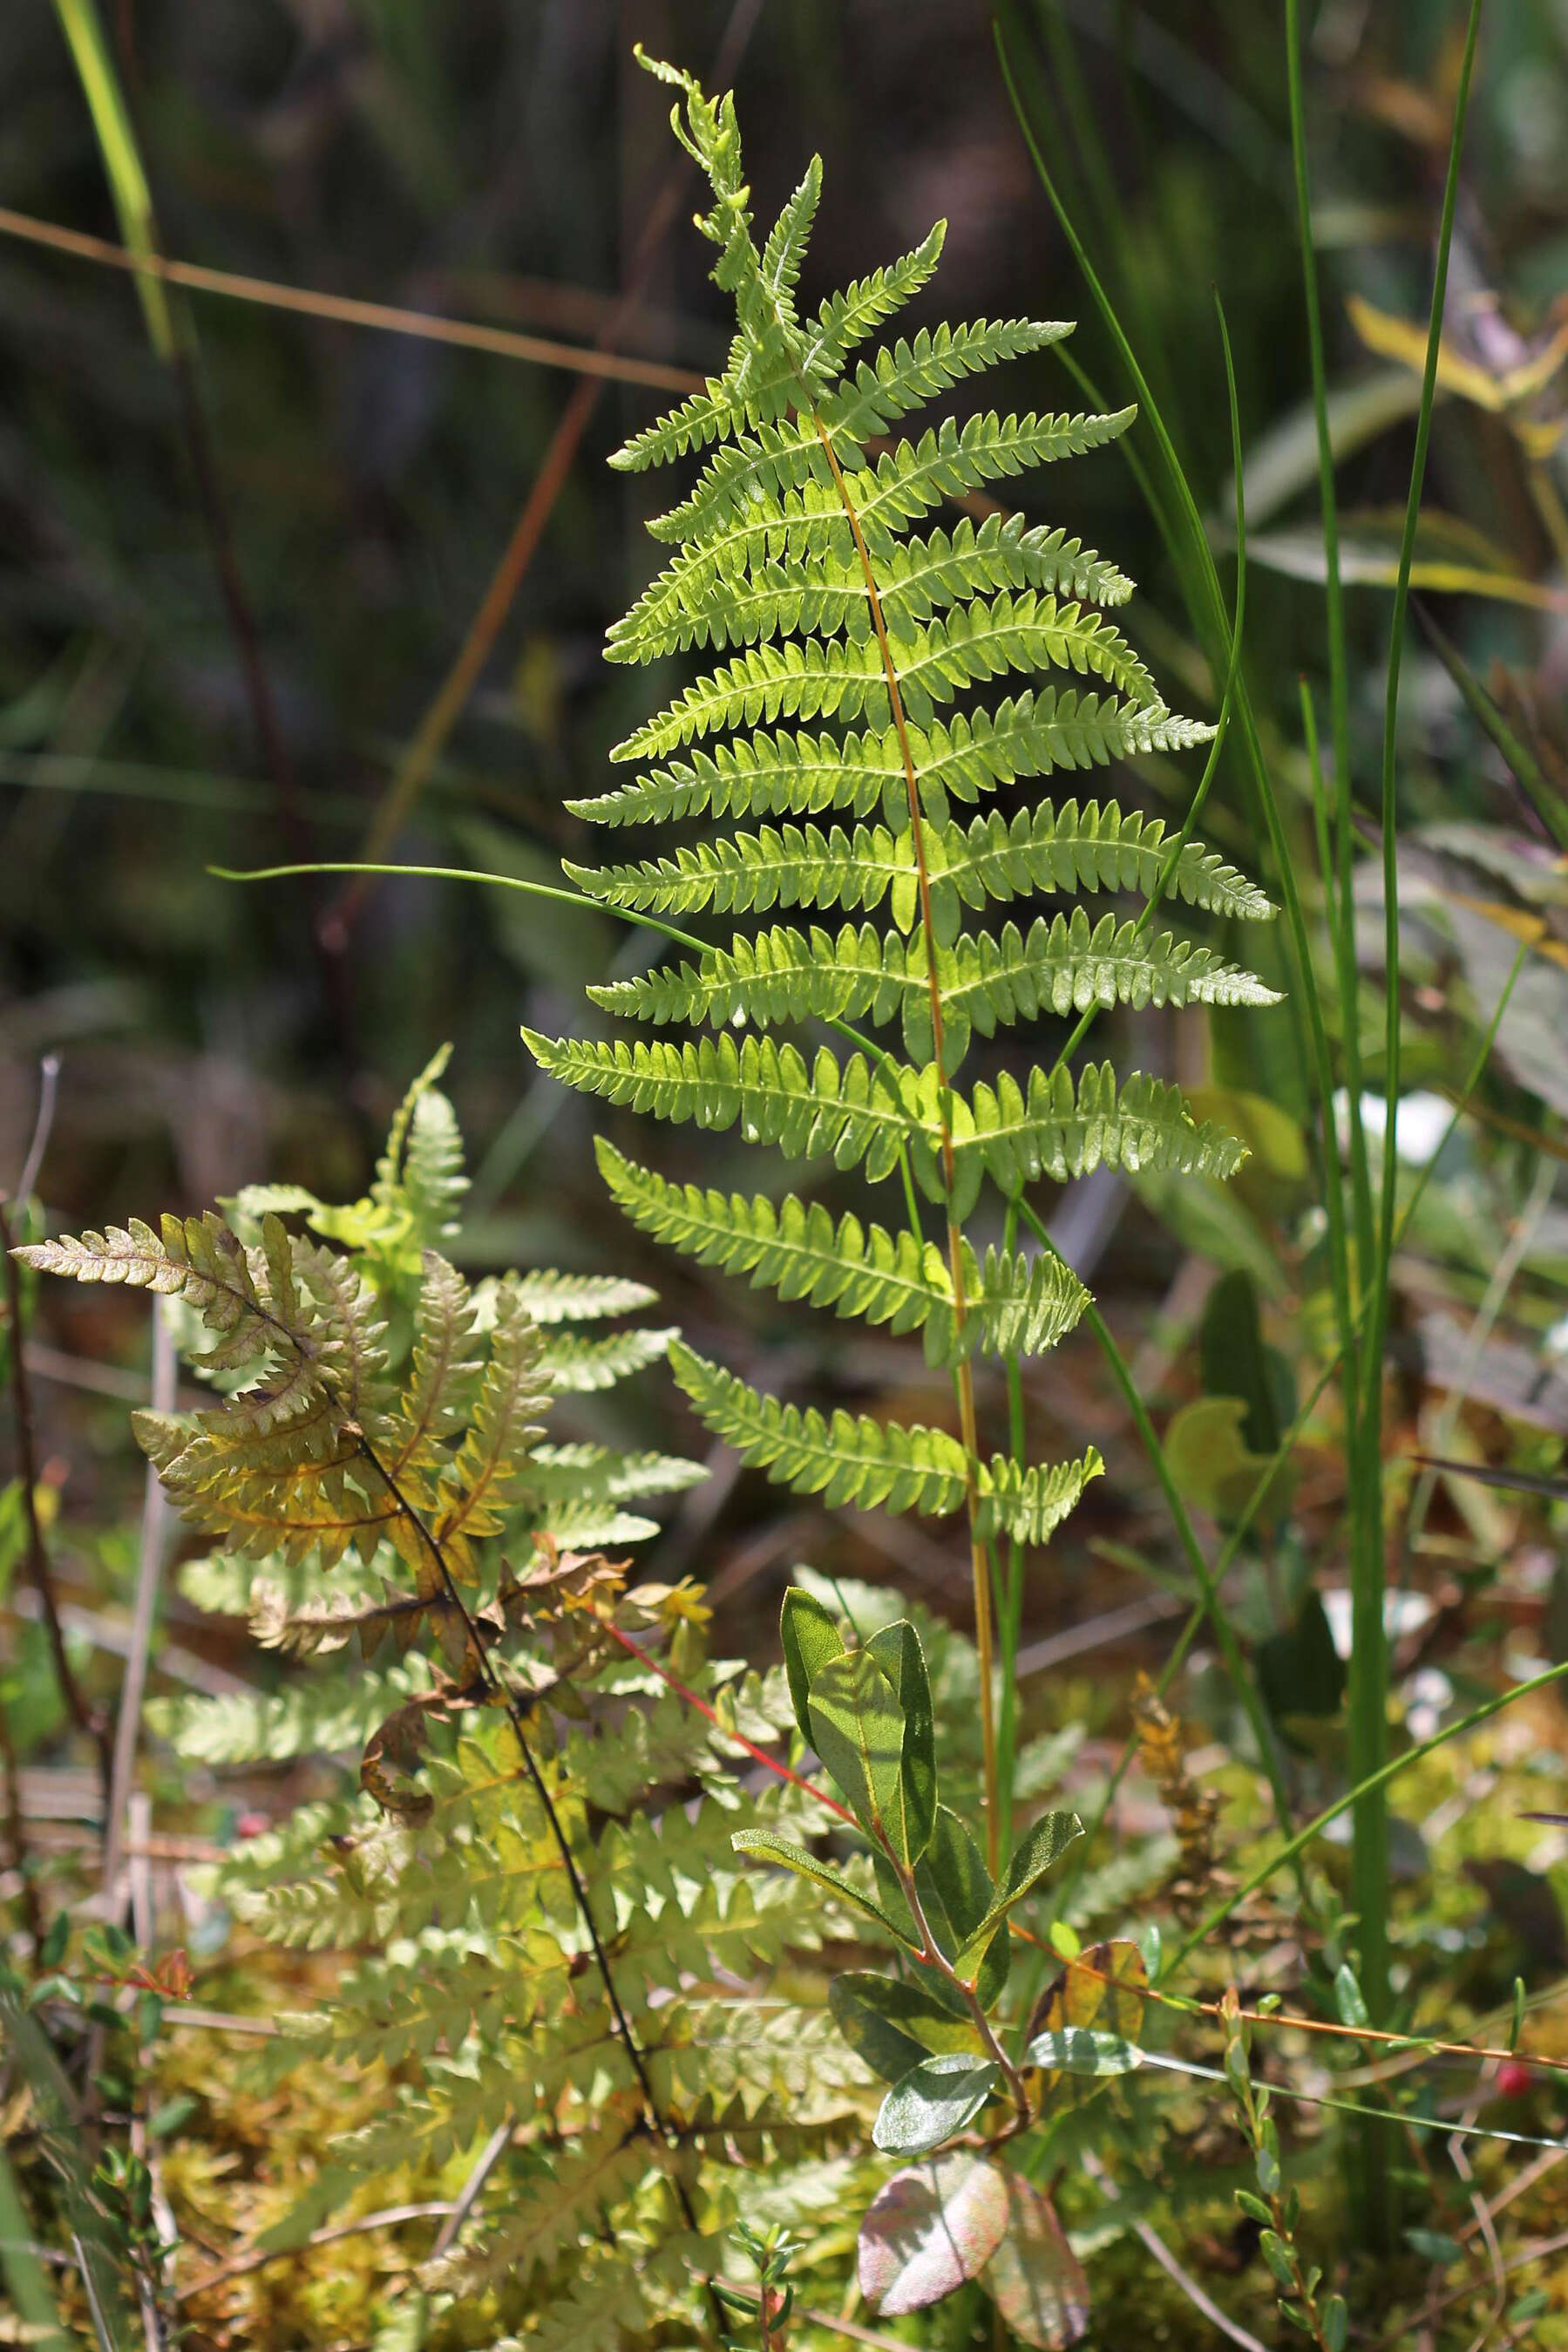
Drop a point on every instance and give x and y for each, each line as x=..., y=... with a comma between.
x=811, y=1636
x=897, y=1650
x=932, y=2101
x=930, y=2230
x=857, y=1729
x=1079, y=2050
x=770, y=1848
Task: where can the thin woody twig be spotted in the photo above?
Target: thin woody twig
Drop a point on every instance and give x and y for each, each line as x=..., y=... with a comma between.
x=496, y=1688
x=149, y=1568
x=472, y=2188
x=503, y=343
x=38, y=1567
x=49, y=1087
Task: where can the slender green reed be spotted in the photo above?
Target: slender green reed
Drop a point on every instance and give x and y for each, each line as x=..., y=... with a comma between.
x=1363, y=1277
x=116, y=136
x=1368, y=1685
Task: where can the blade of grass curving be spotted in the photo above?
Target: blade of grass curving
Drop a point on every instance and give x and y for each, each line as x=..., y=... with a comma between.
x=1209, y=616
x=127, y=180
x=1371, y=1880
x=1368, y=1722
x=1075, y=117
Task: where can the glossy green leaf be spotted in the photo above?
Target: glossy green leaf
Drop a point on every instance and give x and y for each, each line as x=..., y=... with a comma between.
x=857, y=1729
x=1079, y=2050
x=811, y=1636
x=893, y=2025
x=935, y=2099
x=770, y=1848
x=1039, y=1850
x=897, y=1650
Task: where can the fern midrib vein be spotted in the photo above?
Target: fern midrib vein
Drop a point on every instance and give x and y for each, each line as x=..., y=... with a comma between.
x=964, y=1377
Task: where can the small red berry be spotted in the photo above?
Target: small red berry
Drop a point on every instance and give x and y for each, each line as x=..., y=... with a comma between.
x=251, y=1825
x=1514, y=2078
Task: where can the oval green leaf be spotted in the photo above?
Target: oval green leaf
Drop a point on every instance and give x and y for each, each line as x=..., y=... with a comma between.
x=932, y=2101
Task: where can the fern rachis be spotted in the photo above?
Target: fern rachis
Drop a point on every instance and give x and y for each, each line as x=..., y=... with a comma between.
x=797, y=545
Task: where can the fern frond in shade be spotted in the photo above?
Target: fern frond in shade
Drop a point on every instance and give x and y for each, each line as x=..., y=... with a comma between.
x=893, y=683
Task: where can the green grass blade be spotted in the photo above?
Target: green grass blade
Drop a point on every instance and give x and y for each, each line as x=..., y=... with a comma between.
x=23, y=2272
x=1341, y=931
x=117, y=143
x=1369, y=1640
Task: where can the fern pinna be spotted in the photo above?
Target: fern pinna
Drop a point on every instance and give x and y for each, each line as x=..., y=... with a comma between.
x=797, y=552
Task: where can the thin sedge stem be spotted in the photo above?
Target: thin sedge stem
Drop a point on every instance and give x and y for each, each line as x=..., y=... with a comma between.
x=1331, y=900
x=1211, y=625
x=1340, y=932
x=1369, y=1639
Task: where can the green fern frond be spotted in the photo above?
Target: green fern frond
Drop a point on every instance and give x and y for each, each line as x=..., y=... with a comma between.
x=1030, y=735
x=828, y=594
x=421, y=1171
x=580, y=1367
x=861, y=1112
x=845, y=320
x=1015, y=1305
x=1053, y=1129
x=990, y=981
x=1029, y=1505
x=546, y=1297
x=849, y=1459
x=328, y=1714
x=973, y=644
x=566, y=1474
